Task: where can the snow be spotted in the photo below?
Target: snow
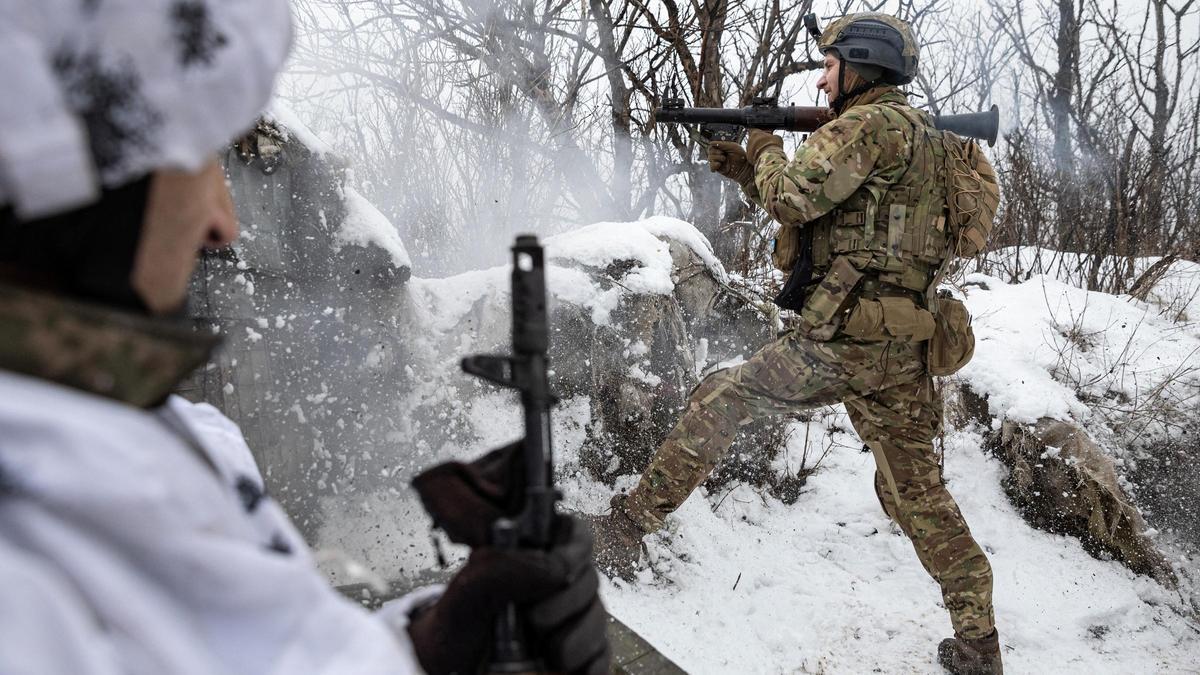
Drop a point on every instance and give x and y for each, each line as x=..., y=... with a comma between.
x=602, y=244
x=1176, y=295
x=365, y=225
x=678, y=230
x=740, y=582
x=283, y=115
x=443, y=302
x=569, y=256
x=829, y=585
x=647, y=242
x=1041, y=344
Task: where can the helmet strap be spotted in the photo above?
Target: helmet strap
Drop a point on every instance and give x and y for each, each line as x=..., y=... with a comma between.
x=845, y=97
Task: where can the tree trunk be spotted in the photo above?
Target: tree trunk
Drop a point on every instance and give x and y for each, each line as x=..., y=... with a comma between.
x=1068, y=202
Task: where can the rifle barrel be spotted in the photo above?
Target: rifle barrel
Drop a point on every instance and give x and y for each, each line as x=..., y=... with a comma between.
x=527, y=371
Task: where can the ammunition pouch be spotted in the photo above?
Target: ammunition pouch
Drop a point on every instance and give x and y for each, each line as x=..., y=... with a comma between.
x=786, y=248
x=889, y=318
x=953, y=341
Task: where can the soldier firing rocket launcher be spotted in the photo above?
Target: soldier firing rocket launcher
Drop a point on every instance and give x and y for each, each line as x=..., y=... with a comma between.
x=730, y=124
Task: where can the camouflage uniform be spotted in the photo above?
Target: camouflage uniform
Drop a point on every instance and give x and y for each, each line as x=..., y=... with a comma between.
x=118, y=355
x=865, y=184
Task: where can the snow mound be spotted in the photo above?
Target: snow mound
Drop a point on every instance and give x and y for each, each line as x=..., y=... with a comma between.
x=292, y=127
x=645, y=243
x=365, y=225
x=1046, y=349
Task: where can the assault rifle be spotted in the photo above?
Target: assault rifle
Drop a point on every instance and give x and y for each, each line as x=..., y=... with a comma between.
x=729, y=124
x=524, y=371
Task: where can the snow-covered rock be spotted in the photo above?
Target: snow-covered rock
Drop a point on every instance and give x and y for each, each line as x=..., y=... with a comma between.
x=1061, y=481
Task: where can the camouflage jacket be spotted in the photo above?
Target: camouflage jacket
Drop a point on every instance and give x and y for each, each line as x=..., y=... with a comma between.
x=129, y=358
x=872, y=187
x=858, y=150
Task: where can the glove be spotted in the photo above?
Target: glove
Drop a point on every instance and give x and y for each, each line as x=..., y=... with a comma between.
x=729, y=159
x=556, y=589
x=465, y=499
x=757, y=142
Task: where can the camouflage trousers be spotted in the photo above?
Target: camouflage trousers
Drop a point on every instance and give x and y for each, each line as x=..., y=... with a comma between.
x=895, y=410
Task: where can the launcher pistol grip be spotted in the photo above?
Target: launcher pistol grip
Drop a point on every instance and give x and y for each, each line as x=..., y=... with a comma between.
x=715, y=131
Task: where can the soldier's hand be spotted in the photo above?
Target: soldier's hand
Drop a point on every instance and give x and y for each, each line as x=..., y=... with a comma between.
x=556, y=589
x=758, y=141
x=729, y=159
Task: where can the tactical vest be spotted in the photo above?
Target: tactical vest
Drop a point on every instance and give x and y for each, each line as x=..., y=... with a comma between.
x=896, y=234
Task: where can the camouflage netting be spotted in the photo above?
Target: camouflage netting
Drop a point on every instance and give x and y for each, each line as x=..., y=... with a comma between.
x=1061, y=481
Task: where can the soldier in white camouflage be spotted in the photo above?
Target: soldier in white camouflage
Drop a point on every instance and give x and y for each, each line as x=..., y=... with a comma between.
x=862, y=209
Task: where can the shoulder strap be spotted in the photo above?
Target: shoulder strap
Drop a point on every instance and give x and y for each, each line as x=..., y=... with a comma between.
x=919, y=126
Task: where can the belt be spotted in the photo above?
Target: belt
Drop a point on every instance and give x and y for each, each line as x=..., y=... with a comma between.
x=874, y=287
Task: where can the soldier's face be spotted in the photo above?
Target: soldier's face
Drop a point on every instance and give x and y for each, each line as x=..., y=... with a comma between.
x=828, y=82
x=185, y=212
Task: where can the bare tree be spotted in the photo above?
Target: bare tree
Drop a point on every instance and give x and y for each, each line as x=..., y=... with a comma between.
x=467, y=119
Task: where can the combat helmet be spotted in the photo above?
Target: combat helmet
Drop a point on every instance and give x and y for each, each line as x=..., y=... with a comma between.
x=880, y=46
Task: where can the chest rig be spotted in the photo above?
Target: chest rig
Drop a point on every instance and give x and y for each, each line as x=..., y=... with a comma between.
x=895, y=232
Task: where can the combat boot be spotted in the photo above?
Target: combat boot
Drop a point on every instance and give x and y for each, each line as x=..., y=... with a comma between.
x=618, y=541
x=980, y=656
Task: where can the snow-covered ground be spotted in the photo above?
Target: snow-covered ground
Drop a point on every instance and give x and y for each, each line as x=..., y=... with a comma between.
x=828, y=585
x=1042, y=344
x=741, y=582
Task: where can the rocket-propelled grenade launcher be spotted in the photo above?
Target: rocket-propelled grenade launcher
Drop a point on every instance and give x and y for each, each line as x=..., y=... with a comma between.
x=730, y=124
